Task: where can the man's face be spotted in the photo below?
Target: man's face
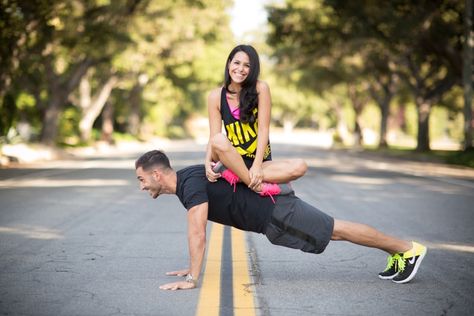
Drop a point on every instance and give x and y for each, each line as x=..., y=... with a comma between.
x=149, y=181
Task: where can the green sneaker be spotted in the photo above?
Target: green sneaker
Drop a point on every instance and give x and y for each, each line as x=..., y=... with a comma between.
x=412, y=260
x=394, y=262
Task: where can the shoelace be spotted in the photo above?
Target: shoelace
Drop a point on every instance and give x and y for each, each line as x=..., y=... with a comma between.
x=401, y=263
x=270, y=189
x=391, y=260
x=396, y=260
x=230, y=177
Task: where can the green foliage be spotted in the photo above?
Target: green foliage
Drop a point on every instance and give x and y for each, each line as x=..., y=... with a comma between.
x=177, y=47
x=366, y=44
x=460, y=158
x=7, y=114
x=68, y=126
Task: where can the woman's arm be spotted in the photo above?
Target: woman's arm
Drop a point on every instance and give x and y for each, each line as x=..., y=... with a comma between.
x=215, y=126
x=264, y=114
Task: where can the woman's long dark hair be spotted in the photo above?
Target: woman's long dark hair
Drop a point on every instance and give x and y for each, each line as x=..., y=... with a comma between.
x=248, y=99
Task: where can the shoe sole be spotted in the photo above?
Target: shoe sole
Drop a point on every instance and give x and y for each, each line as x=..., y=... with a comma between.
x=388, y=277
x=415, y=269
x=285, y=189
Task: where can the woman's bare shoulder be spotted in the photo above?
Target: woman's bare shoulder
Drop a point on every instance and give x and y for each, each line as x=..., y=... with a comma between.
x=262, y=86
x=215, y=93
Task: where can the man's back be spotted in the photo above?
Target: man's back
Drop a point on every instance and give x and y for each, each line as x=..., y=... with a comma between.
x=243, y=209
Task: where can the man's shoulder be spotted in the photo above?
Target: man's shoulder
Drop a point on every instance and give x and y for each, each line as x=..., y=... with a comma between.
x=194, y=170
x=191, y=186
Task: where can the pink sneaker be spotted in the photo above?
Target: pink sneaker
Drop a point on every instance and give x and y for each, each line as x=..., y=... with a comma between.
x=271, y=189
x=227, y=174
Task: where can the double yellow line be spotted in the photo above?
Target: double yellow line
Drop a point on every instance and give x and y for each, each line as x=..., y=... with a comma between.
x=242, y=288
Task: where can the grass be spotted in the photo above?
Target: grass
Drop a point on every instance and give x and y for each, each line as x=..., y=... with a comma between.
x=453, y=157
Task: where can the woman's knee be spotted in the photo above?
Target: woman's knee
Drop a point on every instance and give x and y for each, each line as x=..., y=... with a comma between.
x=220, y=143
x=299, y=168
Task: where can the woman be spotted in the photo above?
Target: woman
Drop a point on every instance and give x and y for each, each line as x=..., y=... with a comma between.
x=243, y=105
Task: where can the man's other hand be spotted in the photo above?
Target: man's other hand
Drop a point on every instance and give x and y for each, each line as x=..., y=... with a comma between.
x=181, y=285
x=180, y=273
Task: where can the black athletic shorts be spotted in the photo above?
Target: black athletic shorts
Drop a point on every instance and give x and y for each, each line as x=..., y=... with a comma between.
x=296, y=224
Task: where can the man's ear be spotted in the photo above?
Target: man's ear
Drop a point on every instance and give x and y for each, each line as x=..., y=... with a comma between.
x=156, y=173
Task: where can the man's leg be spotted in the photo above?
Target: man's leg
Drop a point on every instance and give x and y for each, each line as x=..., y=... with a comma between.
x=365, y=235
x=404, y=259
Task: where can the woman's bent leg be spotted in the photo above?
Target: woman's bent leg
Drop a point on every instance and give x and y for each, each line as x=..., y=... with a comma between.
x=282, y=171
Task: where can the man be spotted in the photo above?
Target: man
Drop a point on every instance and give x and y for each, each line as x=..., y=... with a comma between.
x=286, y=221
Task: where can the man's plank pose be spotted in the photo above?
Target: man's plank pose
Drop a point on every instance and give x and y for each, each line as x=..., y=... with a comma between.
x=288, y=221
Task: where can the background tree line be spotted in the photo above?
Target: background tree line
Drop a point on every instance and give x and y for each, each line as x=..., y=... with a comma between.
x=379, y=52
x=138, y=64
x=74, y=71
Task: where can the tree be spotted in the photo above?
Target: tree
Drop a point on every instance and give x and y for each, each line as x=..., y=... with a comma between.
x=173, y=62
x=423, y=39
x=92, y=105
x=468, y=74
x=85, y=34
x=24, y=32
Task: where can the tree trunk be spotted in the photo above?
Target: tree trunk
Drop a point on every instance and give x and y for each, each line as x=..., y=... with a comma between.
x=59, y=90
x=467, y=76
x=343, y=134
x=92, y=106
x=358, y=136
x=383, y=94
x=134, y=118
x=50, y=129
x=424, y=111
x=384, y=111
x=358, y=106
x=400, y=120
x=107, y=123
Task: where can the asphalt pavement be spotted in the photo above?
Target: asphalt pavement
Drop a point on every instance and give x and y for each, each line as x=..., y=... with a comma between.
x=77, y=237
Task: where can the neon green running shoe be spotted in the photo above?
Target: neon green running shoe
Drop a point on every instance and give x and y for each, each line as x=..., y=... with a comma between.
x=394, y=263
x=412, y=259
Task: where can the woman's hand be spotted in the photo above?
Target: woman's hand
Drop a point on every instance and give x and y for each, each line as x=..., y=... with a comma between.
x=256, y=177
x=211, y=175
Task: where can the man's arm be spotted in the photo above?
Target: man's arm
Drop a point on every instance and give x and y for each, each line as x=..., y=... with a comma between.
x=197, y=221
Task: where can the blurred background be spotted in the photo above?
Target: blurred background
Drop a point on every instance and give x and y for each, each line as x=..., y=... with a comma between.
x=392, y=76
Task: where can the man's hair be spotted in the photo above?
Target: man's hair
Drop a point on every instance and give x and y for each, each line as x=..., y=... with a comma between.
x=153, y=158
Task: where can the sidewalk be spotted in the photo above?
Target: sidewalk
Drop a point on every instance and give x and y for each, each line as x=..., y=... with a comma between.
x=25, y=154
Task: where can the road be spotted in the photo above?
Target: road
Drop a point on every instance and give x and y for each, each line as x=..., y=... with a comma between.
x=78, y=237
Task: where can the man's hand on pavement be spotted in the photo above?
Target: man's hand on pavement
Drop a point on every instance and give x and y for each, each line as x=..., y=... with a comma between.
x=179, y=273
x=181, y=285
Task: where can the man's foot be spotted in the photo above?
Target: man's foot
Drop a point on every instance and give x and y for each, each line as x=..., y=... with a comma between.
x=412, y=260
x=391, y=271
x=271, y=189
x=227, y=174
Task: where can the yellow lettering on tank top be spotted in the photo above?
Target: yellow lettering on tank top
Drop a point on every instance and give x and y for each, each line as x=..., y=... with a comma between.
x=231, y=134
x=239, y=132
x=252, y=147
x=243, y=137
x=248, y=132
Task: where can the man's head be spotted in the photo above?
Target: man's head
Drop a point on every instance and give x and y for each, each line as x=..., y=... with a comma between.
x=151, y=169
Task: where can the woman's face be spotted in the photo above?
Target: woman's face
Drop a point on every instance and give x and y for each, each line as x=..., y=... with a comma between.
x=239, y=67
